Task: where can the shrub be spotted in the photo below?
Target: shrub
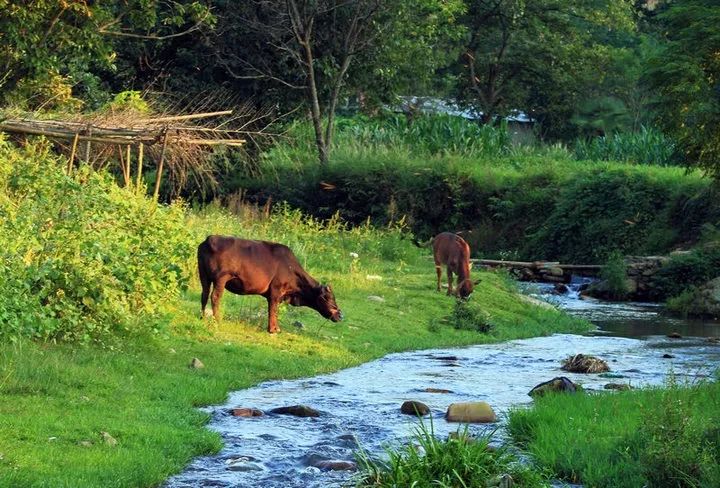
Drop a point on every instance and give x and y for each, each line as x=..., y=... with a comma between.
x=79, y=256
x=468, y=315
x=614, y=276
x=685, y=271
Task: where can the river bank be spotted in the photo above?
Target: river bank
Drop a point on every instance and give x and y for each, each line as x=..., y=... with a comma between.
x=58, y=399
x=360, y=407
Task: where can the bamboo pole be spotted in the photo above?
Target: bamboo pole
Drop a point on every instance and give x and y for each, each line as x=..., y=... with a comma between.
x=87, y=148
x=128, y=156
x=72, y=153
x=122, y=164
x=156, y=193
x=138, y=183
x=173, y=118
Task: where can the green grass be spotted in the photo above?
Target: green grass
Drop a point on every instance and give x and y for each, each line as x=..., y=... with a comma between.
x=139, y=389
x=459, y=461
x=658, y=437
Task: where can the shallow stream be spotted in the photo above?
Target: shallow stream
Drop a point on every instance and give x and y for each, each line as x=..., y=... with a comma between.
x=361, y=405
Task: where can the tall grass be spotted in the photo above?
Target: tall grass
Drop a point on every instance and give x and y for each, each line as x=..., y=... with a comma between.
x=460, y=461
x=648, y=146
x=658, y=437
x=422, y=136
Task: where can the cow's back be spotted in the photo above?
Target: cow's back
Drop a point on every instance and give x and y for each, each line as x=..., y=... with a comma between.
x=256, y=263
x=451, y=249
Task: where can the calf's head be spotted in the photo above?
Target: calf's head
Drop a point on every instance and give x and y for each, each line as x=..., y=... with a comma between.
x=466, y=288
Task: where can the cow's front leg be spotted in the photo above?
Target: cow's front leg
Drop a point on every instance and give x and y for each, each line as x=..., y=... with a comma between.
x=273, y=304
x=450, y=281
x=218, y=288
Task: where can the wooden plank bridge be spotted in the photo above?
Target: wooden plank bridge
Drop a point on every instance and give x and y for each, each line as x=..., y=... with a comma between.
x=542, y=270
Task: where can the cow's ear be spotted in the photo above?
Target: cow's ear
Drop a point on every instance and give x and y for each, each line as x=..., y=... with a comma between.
x=325, y=288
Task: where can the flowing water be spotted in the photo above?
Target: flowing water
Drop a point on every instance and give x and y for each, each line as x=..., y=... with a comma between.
x=361, y=406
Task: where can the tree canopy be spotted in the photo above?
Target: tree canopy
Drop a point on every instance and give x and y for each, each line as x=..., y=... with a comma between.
x=576, y=67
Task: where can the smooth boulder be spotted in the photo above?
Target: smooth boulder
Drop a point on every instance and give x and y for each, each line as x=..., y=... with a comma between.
x=470, y=412
x=559, y=384
x=413, y=407
x=297, y=411
x=336, y=465
x=245, y=412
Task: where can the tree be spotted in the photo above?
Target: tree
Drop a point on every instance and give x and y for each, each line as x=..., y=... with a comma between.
x=50, y=51
x=537, y=56
x=685, y=75
x=308, y=47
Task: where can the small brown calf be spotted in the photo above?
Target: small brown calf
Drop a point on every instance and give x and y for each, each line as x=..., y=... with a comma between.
x=452, y=251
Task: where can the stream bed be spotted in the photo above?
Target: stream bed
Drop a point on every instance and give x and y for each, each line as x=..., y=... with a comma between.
x=360, y=407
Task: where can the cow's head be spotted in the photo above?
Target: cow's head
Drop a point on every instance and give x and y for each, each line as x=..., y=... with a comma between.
x=325, y=303
x=320, y=298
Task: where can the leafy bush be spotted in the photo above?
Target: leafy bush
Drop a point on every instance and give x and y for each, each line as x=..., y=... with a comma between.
x=469, y=315
x=614, y=276
x=79, y=256
x=686, y=270
x=421, y=135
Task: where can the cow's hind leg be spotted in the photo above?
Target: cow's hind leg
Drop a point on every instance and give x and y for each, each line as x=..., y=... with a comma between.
x=218, y=288
x=204, y=297
x=438, y=270
x=450, y=281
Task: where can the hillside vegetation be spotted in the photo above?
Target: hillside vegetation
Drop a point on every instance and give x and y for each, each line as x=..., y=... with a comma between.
x=512, y=201
x=102, y=321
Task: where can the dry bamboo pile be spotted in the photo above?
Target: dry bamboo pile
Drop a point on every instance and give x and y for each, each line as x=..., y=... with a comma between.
x=94, y=140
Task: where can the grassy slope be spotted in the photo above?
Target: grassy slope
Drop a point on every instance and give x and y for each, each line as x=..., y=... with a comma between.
x=143, y=393
x=651, y=437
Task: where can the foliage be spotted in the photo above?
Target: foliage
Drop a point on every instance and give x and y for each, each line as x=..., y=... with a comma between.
x=433, y=134
x=505, y=68
x=648, y=146
x=52, y=54
x=653, y=437
x=539, y=203
x=313, y=53
x=80, y=256
x=124, y=387
x=470, y=316
x=614, y=276
x=686, y=270
x=685, y=73
x=459, y=461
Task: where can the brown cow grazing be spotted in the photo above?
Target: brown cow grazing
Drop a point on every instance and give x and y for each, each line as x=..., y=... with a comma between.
x=452, y=250
x=262, y=268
